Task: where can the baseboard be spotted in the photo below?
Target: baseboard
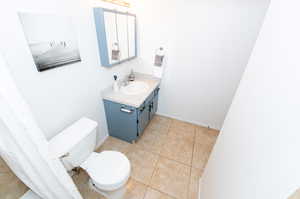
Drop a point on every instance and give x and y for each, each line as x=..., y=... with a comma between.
x=189, y=121
x=199, y=189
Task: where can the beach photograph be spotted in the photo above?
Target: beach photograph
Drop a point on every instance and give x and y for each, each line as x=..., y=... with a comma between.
x=50, y=48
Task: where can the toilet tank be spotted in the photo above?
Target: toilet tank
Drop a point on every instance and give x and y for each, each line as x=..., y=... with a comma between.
x=75, y=144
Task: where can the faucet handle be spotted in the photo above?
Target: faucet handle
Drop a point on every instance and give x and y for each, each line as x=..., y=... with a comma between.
x=65, y=155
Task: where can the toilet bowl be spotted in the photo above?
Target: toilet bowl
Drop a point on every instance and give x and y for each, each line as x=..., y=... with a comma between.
x=108, y=171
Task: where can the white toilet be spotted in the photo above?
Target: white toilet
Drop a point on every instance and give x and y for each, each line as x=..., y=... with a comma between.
x=108, y=170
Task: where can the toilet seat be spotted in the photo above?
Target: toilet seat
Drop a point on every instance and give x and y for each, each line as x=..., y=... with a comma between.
x=108, y=170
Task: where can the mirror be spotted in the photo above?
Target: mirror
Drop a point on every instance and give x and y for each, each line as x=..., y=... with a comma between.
x=122, y=36
x=111, y=35
x=116, y=33
x=131, y=36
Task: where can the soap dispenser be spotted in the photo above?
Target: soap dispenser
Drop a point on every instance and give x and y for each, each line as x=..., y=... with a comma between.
x=159, y=63
x=116, y=85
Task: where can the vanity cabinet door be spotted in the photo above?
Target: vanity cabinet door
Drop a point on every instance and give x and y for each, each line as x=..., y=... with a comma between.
x=143, y=119
x=153, y=103
x=155, y=100
x=121, y=121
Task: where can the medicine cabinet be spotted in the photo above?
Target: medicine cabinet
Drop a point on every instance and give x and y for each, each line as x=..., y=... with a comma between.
x=116, y=34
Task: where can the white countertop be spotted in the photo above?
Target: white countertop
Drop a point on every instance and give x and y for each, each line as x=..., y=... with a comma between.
x=133, y=100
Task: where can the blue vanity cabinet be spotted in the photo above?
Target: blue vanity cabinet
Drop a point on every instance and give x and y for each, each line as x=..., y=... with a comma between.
x=127, y=122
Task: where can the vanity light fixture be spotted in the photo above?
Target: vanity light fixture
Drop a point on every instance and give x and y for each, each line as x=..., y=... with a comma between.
x=118, y=2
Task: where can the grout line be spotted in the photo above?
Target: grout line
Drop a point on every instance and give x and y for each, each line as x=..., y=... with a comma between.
x=191, y=163
x=154, y=170
x=156, y=164
x=190, y=179
x=170, y=123
x=131, y=178
x=149, y=186
x=156, y=167
x=163, y=156
x=162, y=192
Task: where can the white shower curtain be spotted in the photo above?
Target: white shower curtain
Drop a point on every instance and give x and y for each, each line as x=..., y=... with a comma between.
x=24, y=147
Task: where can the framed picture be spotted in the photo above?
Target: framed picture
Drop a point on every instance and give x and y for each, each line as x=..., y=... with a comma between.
x=51, y=39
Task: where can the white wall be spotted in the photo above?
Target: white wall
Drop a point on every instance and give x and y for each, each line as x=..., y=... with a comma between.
x=208, y=44
x=60, y=96
x=257, y=153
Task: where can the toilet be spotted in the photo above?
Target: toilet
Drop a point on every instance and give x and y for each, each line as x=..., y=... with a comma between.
x=108, y=171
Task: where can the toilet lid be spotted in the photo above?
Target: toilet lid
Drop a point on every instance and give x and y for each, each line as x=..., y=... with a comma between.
x=107, y=169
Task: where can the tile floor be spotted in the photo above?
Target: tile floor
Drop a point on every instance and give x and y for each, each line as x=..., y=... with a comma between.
x=167, y=161
x=295, y=195
x=10, y=185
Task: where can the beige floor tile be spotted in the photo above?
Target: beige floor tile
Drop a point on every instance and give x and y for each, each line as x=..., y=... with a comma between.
x=295, y=195
x=152, y=141
x=142, y=164
x=114, y=144
x=178, y=149
x=161, y=120
x=3, y=166
x=201, y=154
x=172, y=178
x=177, y=125
x=88, y=193
x=194, y=183
x=135, y=190
x=81, y=180
x=6, y=178
x=182, y=134
x=154, y=194
x=206, y=135
x=160, y=124
x=214, y=132
x=10, y=185
x=157, y=133
x=12, y=189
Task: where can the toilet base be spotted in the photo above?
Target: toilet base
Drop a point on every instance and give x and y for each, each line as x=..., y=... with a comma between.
x=117, y=194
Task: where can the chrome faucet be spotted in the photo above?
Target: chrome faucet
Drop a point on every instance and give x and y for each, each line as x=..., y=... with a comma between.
x=131, y=76
x=128, y=79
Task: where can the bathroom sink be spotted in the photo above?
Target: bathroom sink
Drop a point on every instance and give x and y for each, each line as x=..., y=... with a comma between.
x=135, y=88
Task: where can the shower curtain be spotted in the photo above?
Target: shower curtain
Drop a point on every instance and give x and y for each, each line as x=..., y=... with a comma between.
x=24, y=147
